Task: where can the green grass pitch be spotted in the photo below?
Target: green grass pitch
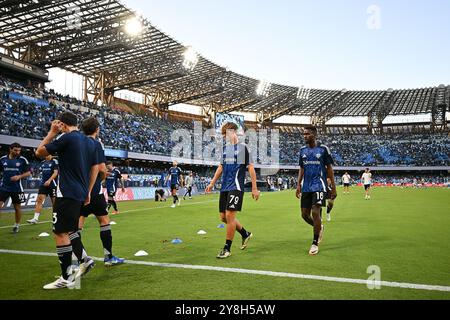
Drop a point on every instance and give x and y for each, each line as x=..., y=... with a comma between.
x=403, y=231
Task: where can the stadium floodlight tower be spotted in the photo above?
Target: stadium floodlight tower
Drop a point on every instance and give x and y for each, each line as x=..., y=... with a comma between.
x=134, y=26
x=190, y=59
x=263, y=88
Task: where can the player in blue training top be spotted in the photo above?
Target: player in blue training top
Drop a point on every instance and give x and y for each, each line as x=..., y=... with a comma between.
x=78, y=169
x=316, y=165
x=113, y=176
x=97, y=204
x=235, y=161
x=176, y=180
x=15, y=168
x=48, y=183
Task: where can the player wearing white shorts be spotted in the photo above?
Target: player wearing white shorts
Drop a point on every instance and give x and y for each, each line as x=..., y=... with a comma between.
x=346, y=181
x=366, y=179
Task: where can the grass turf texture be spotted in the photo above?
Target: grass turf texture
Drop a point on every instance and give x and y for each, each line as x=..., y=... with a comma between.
x=403, y=231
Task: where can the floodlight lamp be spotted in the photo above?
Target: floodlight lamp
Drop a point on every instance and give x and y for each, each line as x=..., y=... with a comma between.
x=303, y=93
x=263, y=88
x=190, y=59
x=133, y=26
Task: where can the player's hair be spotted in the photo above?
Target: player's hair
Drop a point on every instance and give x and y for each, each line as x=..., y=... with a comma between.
x=90, y=125
x=229, y=126
x=68, y=118
x=313, y=129
x=109, y=163
x=15, y=145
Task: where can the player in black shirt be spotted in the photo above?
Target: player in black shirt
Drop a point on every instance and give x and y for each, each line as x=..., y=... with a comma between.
x=77, y=157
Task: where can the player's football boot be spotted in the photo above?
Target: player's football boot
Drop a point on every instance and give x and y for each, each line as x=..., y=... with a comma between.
x=314, y=250
x=60, y=284
x=223, y=254
x=85, y=267
x=15, y=229
x=246, y=240
x=33, y=221
x=113, y=261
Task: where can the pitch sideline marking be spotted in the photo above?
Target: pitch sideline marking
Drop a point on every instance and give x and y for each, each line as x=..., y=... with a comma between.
x=256, y=272
x=135, y=210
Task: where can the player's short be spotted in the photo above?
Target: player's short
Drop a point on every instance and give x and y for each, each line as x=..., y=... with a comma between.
x=173, y=187
x=97, y=206
x=346, y=184
x=66, y=213
x=111, y=193
x=309, y=199
x=366, y=186
x=231, y=201
x=16, y=197
x=48, y=191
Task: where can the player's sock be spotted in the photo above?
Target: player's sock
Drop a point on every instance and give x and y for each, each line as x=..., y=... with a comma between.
x=65, y=258
x=106, y=237
x=175, y=199
x=328, y=209
x=114, y=204
x=36, y=215
x=77, y=246
x=109, y=205
x=228, y=244
x=316, y=239
x=244, y=233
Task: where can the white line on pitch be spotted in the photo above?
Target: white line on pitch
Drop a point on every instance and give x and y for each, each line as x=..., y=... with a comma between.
x=136, y=210
x=256, y=272
x=24, y=225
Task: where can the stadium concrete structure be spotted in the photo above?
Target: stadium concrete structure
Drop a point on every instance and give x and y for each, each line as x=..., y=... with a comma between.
x=114, y=49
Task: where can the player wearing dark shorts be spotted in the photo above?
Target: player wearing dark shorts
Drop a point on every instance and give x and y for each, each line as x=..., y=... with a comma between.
x=78, y=167
x=235, y=161
x=113, y=176
x=159, y=195
x=315, y=166
x=47, y=188
x=97, y=204
x=14, y=168
x=176, y=180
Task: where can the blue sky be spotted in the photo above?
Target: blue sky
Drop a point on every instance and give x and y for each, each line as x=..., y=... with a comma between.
x=319, y=44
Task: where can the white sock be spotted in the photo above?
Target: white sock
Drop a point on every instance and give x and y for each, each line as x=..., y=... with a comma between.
x=16, y=224
x=36, y=215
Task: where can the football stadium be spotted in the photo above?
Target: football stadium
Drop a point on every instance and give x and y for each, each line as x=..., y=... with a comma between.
x=167, y=176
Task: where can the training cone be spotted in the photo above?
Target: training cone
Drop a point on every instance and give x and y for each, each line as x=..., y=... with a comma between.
x=177, y=241
x=112, y=222
x=44, y=234
x=221, y=226
x=141, y=253
x=201, y=232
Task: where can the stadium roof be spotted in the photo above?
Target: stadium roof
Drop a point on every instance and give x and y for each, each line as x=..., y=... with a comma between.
x=90, y=38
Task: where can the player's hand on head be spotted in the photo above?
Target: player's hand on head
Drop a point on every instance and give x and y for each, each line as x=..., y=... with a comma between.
x=56, y=127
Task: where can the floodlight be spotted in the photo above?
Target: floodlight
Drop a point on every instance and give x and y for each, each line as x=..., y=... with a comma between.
x=190, y=59
x=263, y=88
x=303, y=93
x=133, y=26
